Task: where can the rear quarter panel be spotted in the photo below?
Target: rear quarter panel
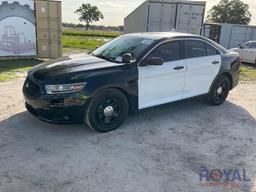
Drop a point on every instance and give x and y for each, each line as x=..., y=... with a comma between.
x=230, y=66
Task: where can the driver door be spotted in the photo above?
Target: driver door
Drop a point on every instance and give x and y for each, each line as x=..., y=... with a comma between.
x=162, y=83
x=252, y=53
x=245, y=52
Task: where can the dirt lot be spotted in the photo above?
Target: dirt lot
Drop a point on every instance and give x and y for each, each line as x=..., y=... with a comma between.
x=160, y=150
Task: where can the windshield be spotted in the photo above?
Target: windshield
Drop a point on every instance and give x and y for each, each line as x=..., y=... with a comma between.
x=249, y=45
x=115, y=49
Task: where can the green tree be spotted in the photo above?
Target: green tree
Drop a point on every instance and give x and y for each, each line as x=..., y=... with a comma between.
x=89, y=14
x=230, y=11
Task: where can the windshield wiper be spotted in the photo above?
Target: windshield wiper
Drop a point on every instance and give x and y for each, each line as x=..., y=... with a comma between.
x=106, y=58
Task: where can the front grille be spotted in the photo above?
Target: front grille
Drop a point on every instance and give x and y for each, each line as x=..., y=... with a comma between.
x=31, y=88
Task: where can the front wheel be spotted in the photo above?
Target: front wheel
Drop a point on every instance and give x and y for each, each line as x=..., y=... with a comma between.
x=220, y=91
x=107, y=111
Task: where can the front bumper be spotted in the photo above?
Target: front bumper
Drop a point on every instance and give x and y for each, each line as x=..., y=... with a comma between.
x=64, y=108
x=58, y=115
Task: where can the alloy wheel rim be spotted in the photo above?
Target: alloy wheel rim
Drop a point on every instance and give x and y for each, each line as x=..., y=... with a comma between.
x=108, y=111
x=221, y=91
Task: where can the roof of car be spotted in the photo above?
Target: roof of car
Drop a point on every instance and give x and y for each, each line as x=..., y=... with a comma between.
x=160, y=35
x=169, y=35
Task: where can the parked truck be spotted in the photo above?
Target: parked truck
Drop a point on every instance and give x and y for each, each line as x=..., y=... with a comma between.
x=166, y=15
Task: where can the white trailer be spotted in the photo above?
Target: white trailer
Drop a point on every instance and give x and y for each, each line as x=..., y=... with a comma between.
x=166, y=15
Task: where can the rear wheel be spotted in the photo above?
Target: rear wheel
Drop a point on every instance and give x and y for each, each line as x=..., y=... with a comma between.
x=220, y=91
x=107, y=111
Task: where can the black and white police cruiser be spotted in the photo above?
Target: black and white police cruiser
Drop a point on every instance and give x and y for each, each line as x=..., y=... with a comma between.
x=127, y=74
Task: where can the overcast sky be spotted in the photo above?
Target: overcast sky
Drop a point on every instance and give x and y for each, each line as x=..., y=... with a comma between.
x=114, y=11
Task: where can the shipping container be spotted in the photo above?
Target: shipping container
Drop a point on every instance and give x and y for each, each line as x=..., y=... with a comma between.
x=166, y=15
x=49, y=28
x=229, y=35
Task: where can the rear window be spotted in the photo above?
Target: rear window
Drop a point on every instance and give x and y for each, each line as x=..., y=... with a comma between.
x=219, y=47
x=197, y=48
x=211, y=50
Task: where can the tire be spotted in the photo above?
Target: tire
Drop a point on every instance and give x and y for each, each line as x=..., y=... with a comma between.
x=219, y=92
x=107, y=111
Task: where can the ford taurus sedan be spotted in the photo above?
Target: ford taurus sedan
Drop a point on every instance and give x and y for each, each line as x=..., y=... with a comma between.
x=128, y=74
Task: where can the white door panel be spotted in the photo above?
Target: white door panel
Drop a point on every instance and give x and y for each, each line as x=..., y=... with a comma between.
x=248, y=55
x=161, y=84
x=248, y=52
x=245, y=55
x=252, y=55
x=201, y=72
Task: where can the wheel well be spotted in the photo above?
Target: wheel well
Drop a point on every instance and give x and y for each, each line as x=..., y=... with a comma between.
x=129, y=99
x=230, y=79
x=127, y=95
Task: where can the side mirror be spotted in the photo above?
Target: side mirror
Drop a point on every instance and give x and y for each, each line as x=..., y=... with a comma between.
x=127, y=58
x=152, y=61
x=240, y=46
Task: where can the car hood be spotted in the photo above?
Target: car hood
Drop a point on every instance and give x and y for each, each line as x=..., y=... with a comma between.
x=69, y=65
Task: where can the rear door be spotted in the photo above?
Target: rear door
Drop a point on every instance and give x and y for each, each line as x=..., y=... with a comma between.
x=168, y=17
x=154, y=17
x=164, y=83
x=161, y=17
x=189, y=18
x=203, y=65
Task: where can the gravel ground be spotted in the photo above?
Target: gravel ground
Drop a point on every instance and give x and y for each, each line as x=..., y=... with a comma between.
x=159, y=150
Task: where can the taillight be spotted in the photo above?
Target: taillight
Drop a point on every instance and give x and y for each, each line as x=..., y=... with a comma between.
x=240, y=60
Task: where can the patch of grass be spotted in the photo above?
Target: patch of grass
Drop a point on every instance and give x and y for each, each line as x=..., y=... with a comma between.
x=83, y=33
x=248, y=73
x=81, y=43
x=10, y=69
x=75, y=40
x=69, y=50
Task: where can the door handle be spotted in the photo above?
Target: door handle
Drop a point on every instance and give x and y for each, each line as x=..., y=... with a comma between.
x=178, y=68
x=215, y=62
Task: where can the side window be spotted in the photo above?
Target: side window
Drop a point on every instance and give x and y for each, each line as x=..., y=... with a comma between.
x=194, y=48
x=211, y=50
x=167, y=51
x=253, y=46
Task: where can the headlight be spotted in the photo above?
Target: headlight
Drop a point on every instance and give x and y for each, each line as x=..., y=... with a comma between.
x=65, y=88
